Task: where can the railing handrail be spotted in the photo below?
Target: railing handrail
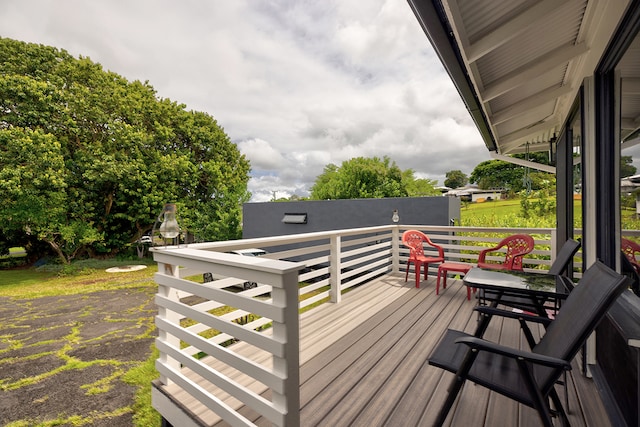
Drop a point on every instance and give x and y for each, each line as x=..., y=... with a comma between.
x=289, y=238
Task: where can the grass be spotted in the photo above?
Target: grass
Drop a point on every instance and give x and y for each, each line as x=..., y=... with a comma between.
x=79, y=277
x=85, y=277
x=499, y=208
x=508, y=214
x=141, y=377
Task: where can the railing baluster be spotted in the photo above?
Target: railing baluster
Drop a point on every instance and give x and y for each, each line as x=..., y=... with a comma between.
x=395, y=250
x=170, y=316
x=335, y=269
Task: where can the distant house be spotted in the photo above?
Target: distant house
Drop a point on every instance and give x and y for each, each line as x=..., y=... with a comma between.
x=629, y=184
x=473, y=194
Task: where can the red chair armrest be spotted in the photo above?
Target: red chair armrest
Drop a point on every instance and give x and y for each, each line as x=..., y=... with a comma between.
x=483, y=253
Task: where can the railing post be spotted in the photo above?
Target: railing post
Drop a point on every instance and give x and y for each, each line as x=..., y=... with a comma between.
x=171, y=316
x=288, y=366
x=554, y=244
x=335, y=271
x=395, y=249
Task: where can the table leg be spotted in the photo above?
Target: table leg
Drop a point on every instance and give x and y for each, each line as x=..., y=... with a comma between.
x=483, y=321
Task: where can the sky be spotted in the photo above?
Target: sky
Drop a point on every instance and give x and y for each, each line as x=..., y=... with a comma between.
x=297, y=85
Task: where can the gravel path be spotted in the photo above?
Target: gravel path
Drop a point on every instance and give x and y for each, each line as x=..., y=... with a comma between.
x=63, y=358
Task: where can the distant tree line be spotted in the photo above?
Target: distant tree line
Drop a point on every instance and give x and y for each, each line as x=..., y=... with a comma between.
x=87, y=158
x=375, y=177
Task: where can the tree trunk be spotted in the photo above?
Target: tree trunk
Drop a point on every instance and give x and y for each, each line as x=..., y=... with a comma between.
x=58, y=251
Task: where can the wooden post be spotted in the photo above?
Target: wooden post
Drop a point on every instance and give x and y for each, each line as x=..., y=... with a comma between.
x=170, y=316
x=395, y=249
x=335, y=271
x=289, y=365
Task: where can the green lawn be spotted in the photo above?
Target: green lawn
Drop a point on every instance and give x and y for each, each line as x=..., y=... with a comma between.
x=79, y=277
x=508, y=214
x=17, y=252
x=494, y=207
x=22, y=279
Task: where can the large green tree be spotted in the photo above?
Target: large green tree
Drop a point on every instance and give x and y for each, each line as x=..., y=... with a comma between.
x=498, y=174
x=455, y=179
x=501, y=174
x=363, y=177
x=88, y=159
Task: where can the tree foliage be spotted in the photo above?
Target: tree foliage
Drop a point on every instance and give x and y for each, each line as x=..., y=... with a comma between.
x=626, y=166
x=418, y=187
x=492, y=174
x=498, y=174
x=362, y=177
x=88, y=159
x=455, y=179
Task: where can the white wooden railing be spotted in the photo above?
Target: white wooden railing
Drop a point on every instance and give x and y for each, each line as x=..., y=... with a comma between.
x=198, y=320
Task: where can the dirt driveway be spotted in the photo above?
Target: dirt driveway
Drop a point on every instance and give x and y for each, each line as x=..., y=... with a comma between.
x=64, y=358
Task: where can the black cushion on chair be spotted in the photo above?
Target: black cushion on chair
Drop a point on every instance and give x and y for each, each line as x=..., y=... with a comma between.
x=499, y=373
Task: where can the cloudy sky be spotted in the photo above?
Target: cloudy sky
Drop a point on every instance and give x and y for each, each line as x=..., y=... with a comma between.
x=297, y=84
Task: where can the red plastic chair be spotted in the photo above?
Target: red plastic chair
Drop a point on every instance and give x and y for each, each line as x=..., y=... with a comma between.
x=517, y=247
x=414, y=240
x=630, y=249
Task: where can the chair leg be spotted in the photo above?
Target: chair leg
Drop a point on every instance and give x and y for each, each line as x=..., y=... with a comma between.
x=527, y=333
x=455, y=386
x=406, y=275
x=539, y=402
x=454, y=389
x=557, y=404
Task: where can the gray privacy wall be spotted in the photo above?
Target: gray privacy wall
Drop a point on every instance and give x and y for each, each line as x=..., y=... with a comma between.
x=265, y=219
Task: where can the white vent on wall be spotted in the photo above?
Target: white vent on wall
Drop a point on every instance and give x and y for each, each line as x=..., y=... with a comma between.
x=295, y=218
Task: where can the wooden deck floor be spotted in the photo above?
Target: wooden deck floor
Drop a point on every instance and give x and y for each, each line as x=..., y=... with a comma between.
x=363, y=363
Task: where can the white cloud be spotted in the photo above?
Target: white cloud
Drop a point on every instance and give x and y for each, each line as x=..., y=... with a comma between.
x=261, y=154
x=296, y=84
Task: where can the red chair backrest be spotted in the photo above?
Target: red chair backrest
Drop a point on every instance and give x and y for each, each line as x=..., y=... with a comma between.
x=629, y=248
x=517, y=246
x=413, y=239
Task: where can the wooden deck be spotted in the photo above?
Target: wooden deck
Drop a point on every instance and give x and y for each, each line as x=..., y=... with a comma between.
x=363, y=363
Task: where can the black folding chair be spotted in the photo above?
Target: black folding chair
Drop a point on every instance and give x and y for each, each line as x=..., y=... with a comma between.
x=529, y=376
x=524, y=305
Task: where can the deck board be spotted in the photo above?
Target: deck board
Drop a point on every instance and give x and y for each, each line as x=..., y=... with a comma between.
x=364, y=363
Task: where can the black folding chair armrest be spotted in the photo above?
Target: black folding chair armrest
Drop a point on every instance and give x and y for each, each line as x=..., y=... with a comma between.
x=539, y=359
x=493, y=311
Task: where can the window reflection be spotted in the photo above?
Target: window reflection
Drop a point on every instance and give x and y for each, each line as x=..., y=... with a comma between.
x=576, y=137
x=628, y=71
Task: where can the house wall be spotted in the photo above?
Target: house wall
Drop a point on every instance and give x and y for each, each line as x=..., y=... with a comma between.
x=265, y=219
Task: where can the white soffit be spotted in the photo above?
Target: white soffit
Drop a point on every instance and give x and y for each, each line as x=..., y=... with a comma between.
x=526, y=60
